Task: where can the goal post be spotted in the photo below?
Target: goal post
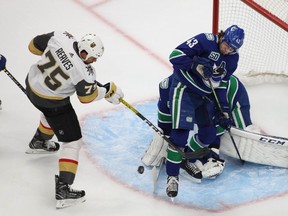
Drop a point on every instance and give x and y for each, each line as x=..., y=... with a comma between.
x=265, y=22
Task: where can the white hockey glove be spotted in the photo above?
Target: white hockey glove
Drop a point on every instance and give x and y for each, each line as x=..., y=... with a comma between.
x=113, y=93
x=101, y=93
x=213, y=167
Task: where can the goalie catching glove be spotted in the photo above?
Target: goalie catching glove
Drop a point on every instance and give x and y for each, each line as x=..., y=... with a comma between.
x=113, y=93
x=213, y=166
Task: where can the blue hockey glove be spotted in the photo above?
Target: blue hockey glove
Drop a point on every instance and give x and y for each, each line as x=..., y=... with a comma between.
x=202, y=66
x=225, y=121
x=223, y=117
x=2, y=62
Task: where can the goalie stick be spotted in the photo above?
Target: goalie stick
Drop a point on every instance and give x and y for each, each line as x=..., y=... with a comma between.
x=188, y=155
x=228, y=129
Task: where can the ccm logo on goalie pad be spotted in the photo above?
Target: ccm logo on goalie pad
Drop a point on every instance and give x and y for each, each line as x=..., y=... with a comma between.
x=269, y=140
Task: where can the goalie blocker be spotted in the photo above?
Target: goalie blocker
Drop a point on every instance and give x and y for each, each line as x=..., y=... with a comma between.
x=256, y=147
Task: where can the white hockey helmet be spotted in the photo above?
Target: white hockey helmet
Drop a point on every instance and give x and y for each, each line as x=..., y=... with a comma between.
x=92, y=44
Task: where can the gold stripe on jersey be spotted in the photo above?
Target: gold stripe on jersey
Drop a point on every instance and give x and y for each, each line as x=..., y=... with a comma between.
x=68, y=165
x=88, y=98
x=33, y=49
x=45, y=130
x=45, y=96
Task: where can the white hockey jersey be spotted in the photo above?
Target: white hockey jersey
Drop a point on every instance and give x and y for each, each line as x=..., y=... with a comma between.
x=61, y=72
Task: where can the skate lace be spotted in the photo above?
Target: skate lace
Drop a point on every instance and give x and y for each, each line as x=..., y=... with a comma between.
x=192, y=167
x=36, y=144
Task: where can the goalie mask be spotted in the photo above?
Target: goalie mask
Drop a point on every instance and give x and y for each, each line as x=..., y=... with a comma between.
x=234, y=36
x=92, y=45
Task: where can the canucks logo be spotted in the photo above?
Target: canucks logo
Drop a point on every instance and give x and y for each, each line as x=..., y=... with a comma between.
x=209, y=36
x=220, y=70
x=164, y=84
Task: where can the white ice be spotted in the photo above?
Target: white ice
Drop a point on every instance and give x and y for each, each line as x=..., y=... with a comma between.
x=138, y=38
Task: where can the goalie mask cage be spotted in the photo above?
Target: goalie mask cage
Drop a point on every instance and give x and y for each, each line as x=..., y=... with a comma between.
x=265, y=22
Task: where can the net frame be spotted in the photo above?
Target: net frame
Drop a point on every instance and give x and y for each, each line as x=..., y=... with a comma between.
x=265, y=48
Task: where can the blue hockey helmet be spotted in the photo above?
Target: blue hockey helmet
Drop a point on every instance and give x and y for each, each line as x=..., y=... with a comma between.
x=234, y=36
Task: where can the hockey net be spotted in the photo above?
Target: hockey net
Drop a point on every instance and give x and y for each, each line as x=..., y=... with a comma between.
x=264, y=54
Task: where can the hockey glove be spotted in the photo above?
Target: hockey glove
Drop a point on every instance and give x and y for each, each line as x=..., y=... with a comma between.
x=211, y=165
x=2, y=62
x=202, y=66
x=225, y=121
x=113, y=93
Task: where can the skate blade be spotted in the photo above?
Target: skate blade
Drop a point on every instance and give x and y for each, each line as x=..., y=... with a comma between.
x=39, y=151
x=184, y=174
x=60, y=204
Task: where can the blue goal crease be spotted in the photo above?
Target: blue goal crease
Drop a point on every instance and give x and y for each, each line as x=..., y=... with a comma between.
x=123, y=138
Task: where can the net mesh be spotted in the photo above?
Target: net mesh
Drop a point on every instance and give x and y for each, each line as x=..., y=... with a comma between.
x=265, y=48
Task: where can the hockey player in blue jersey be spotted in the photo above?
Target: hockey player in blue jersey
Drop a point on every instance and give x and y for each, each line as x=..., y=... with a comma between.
x=200, y=63
x=238, y=102
x=239, y=105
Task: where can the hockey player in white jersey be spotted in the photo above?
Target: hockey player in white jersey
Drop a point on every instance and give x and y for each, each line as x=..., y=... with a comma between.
x=64, y=69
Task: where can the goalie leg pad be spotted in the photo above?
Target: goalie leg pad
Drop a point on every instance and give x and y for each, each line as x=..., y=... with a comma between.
x=156, y=151
x=257, y=148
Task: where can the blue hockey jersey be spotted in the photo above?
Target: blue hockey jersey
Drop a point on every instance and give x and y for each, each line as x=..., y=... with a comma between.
x=204, y=45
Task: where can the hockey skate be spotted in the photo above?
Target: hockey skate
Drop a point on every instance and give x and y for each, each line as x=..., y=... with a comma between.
x=172, y=186
x=190, y=171
x=66, y=196
x=42, y=147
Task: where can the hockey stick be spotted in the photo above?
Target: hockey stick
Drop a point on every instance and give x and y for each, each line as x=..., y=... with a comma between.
x=228, y=129
x=188, y=155
x=14, y=80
